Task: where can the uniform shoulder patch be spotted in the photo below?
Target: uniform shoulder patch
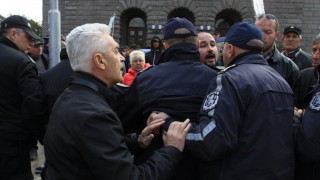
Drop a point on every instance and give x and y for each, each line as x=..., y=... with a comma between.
x=211, y=101
x=315, y=102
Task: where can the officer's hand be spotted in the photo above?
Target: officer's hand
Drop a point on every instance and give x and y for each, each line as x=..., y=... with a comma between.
x=146, y=135
x=176, y=134
x=155, y=115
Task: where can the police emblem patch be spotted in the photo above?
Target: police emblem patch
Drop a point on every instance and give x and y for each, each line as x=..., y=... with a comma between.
x=211, y=101
x=315, y=102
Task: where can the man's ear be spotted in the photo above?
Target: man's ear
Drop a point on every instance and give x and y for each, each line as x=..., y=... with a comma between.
x=165, y=44
x=232, y=52
x=198, y=43
x=277, y=35
x=12, y=34
x=99, y=61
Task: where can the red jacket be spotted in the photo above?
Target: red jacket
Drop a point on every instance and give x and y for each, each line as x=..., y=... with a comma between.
x=131, y=74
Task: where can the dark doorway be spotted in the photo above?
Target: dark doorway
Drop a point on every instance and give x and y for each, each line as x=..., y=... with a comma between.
x=133, y=27
x=136, y=31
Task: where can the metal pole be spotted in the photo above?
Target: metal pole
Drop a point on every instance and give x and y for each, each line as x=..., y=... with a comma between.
x=114, y=15
x=55, y=33
x=258, y=6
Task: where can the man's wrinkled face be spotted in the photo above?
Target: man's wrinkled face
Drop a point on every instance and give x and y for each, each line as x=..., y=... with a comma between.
x=316, y=55
x=22, y=40
x=208, y=49
x=114, y=59
x=291, y=41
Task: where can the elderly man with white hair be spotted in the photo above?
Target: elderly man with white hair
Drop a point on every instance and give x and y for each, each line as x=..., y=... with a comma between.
x=85, y=139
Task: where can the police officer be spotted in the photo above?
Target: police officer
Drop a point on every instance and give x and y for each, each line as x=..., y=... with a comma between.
x=245, y=127
x=176, y=87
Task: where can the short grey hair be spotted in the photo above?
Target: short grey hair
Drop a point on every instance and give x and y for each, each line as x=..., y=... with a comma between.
x=316, y=40
x=5, y=32
x=84, y=41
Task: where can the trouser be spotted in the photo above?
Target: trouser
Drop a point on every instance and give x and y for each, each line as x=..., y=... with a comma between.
x=15, y=160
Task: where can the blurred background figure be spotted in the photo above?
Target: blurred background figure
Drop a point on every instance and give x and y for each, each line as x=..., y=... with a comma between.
x=36, y=53
x=216, y=34
x=138, y=63
x=291, y=41
x=153, y=56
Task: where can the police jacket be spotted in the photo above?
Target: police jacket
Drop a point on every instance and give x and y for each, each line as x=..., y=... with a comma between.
x=307, y=137
x=285, y=67
x=300, y=58
x=176, y=87
x=85, y=139
x=22, y=107
x=245, y=123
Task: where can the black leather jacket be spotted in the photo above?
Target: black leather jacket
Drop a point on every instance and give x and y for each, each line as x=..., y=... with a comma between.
x=22, y=107
x=285, y=67
x=85, y=139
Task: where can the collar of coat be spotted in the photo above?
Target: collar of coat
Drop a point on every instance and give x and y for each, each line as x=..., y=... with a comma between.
x=7, y=42
x=90, y=81
x=182, y=51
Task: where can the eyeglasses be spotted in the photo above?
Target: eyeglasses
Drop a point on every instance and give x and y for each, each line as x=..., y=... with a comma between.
x=268, y=16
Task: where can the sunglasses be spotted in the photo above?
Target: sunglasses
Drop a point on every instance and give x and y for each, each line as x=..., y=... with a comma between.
x=268, y=16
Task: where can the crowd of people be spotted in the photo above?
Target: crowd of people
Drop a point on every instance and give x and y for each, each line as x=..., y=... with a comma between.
x=169, y=113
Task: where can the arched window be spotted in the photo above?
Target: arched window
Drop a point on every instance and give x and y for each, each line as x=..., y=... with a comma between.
x=182, y=12
x=225, y=19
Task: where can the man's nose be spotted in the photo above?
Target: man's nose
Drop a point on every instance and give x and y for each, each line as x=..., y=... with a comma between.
x=121, y=58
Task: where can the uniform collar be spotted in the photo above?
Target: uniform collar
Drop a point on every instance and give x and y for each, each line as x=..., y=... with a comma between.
x=182, y=51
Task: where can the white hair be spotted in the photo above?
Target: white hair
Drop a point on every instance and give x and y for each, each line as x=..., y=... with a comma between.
x=136, y=54
x=83, y=41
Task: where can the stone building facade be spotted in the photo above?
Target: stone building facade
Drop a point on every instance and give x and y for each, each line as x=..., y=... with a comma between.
x=137, y=21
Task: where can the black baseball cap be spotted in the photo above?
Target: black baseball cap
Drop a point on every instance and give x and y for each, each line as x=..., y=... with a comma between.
x=174, y=24
x=292, y=29
x=38, y=42
x=16, y=21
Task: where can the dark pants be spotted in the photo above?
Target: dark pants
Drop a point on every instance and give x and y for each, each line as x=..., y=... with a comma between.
x=15, y=160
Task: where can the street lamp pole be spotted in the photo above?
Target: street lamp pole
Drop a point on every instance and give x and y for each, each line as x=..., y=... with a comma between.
x=55, y=33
